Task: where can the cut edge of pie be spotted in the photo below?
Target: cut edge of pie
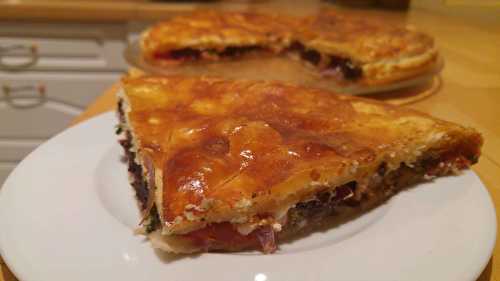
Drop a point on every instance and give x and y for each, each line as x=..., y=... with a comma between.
x=212, y=36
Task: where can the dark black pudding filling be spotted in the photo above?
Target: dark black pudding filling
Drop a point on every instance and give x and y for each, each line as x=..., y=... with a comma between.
x=311, y=56
x=186, y=53
x=139, y=183
x=348, y=69
x=190, y=54
x=238, y=51
x=346, y=66
x=324, y=204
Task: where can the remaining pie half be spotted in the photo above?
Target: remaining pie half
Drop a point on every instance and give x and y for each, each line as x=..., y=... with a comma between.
x=347, y=47
x=229, y=165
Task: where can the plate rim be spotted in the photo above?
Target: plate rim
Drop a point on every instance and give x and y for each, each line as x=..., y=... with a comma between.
x=20, y=273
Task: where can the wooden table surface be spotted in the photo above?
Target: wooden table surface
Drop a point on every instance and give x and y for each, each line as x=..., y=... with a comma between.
x=96, y=10
x=468, y=36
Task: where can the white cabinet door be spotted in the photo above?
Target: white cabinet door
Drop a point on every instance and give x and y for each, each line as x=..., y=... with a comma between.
x=35, y=106
x=49, y=72
x=39, y=122
x=13, y=150
x=5, y=169
x=73, y=88
x=55, y=46
x=39, y=105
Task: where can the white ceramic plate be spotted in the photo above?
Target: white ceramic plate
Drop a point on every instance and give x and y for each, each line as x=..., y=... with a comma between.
x=275, y=68
x=67, y=212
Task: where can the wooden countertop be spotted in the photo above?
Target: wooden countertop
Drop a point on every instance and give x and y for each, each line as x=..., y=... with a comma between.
x=109, y=10
x=469, y=38
x=135, y=10
x=92, y=10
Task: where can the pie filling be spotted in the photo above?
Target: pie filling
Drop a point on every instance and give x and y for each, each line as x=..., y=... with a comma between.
x=191, y=54
x=378, y=187
x=329, y=65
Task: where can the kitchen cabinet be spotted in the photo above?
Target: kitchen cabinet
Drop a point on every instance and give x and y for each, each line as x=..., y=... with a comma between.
x=49, y=72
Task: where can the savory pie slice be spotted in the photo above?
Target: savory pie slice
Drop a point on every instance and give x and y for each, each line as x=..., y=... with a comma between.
x=227, y=165
x=366, y=49
x=211, y=35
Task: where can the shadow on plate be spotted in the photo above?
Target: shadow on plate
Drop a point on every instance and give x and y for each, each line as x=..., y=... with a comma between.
x=167, y=258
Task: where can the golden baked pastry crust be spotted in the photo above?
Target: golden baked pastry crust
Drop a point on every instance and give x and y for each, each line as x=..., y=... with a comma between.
x=385, y=52
x=211, y=30
x=227, y=151
x=362, y=39
x=364, y=49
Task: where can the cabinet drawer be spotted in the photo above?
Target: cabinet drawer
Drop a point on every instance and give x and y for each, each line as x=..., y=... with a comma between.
x=14, y=150
x=42, y=121
x=37, y=106
x=77, y=89
x=48, y=46
x=5, y=170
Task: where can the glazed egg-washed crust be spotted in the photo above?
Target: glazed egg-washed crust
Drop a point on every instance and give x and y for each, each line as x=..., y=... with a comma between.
x=226, y=151
x=216, y=30
x=381, y=49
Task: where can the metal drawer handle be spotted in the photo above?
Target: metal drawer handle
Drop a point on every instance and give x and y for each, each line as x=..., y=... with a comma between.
x=14, y=97
x=29, y=50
